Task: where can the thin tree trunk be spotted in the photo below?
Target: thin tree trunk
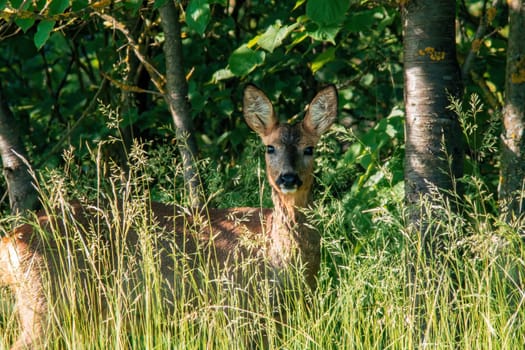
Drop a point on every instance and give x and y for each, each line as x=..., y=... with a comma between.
x=176, y=98
x=22, y=194
x=434, y=147
x=511, y=189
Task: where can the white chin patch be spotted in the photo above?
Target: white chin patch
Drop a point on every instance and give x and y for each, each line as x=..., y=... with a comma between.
x=288, y=190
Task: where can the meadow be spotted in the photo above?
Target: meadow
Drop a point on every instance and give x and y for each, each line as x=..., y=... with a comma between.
x=377, y=289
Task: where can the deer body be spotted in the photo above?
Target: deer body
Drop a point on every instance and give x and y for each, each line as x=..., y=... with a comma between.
x=279, y=237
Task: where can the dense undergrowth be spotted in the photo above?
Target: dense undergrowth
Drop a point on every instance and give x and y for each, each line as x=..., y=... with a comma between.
x=376, y=290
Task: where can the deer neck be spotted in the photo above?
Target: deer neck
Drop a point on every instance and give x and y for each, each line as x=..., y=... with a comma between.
x=291, y=238
x=287, y=207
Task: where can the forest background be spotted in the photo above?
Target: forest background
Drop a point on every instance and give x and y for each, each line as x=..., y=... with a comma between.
x=65, y=67
x=86, y=82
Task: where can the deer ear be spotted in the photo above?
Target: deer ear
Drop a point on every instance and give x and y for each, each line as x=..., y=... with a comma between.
x=322, y=111
x=258, y=111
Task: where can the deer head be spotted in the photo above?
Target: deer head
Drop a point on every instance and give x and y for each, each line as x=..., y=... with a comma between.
x=290, y=148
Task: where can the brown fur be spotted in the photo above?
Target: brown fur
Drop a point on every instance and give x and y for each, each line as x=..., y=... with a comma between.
x=280, y=237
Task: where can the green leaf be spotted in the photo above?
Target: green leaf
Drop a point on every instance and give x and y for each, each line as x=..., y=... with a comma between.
x=78, y=5
x=2, y=4
x=133, y=5
x=323, y=33
x=58, y=6
x=274, y=36
x=158, y=4
x=43, y=31
x=222, y=74
x=244, y=60
x=25, y=19
x=367, y=79
x=322, y=59
x=360, y=21
x=353, y=153
x=198, y=15
x=25, y=23
x=16, y=4
x=327, y=12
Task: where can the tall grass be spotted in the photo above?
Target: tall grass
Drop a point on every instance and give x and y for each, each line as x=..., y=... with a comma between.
x=470, y=297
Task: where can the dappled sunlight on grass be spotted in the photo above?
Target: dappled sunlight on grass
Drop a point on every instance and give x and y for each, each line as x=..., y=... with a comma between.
x=376, y=289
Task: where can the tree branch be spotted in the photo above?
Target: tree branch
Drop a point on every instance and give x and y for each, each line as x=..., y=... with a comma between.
x=478, y=39
x=156, y=77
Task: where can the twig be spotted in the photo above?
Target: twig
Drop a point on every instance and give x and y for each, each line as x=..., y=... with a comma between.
x=129, y=88
x=478, y=38
x=157, y=78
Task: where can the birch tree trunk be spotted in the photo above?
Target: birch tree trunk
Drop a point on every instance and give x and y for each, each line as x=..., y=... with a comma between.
x=22, y=194
x=434, y=147
x=433, y=137
x=512, y=177
x=176, y=97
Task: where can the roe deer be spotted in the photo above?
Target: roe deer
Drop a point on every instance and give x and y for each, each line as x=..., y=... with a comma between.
x=286, y=237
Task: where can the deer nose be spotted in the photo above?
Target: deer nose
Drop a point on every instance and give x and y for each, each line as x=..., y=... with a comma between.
x=289, y=182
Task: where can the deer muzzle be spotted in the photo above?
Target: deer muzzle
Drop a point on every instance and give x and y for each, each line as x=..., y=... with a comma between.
x=289, y=182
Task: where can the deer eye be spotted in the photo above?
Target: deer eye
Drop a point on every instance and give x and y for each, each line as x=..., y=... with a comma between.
x=270, y=149
x=308, y=151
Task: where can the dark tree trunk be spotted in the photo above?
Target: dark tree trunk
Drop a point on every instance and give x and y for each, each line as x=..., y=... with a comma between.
x=176, y=97
x=511, y=189
x=22, y=194
x=434, y=149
